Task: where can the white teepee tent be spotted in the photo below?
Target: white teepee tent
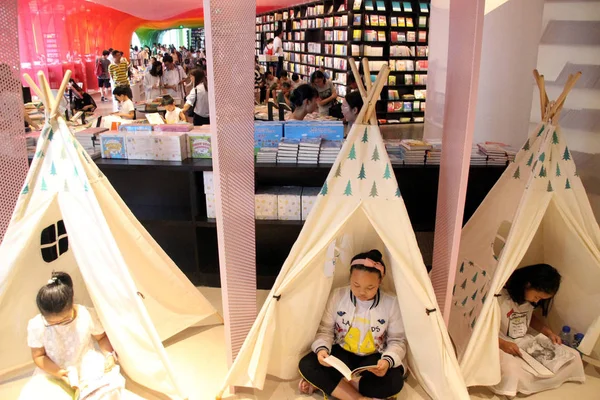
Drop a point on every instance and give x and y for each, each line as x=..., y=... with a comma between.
x=69, y=218
x=360, y=208
x=538, y=212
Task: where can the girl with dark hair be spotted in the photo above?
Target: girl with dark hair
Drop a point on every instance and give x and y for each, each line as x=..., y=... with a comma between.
x=152, y=81
x=351, y=108
x=362, y=326
x=304, y=101
x=529, y=288
x=326, y=90
x=79, y=99
x=197, y=101
x=63, y=340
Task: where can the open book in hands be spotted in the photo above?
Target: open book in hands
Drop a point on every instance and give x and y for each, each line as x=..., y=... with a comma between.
x=543, y=356
x=344, y=370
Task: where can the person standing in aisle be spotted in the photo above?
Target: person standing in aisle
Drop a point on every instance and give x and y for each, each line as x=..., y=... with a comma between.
x=118, y=70
x=327, y=93
x=110, y=56
x=173, y=78
x=278, y=50
x=102, y=65
x=197, y=100
x=152, y=81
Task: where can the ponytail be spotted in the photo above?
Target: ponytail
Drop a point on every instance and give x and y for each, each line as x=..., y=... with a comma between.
x=56, y=295
x=301, y=93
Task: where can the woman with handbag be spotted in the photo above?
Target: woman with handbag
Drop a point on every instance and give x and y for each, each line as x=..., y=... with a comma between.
x=196, y=104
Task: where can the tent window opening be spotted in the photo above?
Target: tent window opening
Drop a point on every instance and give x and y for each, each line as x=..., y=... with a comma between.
x=54, y=241
x=500, y=240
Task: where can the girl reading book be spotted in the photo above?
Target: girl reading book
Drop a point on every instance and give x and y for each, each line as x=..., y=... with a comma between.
x=529, y=288
x=362, y=327
x=64, y=339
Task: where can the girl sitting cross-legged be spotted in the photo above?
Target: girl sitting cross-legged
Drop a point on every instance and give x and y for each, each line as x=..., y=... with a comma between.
x=362, y=326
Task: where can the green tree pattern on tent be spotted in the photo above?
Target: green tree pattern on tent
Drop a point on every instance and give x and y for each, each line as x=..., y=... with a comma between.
x=352, y=155
x=39, y=154
x=543, y=172
x=475, y=277
x=365, y=137
x=541, y=131
x=25, y=189
x=63, y=153
x=474, y=294
x=566, y=155
x=464, y=302
x=387, y=174
x=348, y=191
x=374, y=190
x=85, y=186
x=568, y=185
x=517, y=174
x=554, y=138
x=473, y=323
x=526, y=145
x=375, y=156
x=75, y=171
x=324, y=190
x=398, y=194
x=338, y=171
x=453, y=290
x=53, y=169
x=84, y=154
x=543, y=157
x=550, y=187
x=471, y=312
x=66, y=187
x=462, y=268
x=530, y=160
x=44, y=186
x=484, y=273
x=464, y=285
x=51, y=135
x=483, y=298
x=557, y=170
x=362, y=175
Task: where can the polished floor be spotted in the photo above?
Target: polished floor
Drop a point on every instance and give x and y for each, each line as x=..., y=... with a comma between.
x=198, y=357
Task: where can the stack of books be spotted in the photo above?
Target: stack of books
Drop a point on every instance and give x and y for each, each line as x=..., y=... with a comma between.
x=287, y=152
x=267, y=155
x=434, y=155
x=395, y=150
x=329, y=151
x=495, y=153
x=477, y=157
x=309, y=150
x=413, y=151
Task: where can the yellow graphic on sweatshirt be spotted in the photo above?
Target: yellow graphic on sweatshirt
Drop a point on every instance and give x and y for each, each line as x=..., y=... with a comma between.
x=352, y=339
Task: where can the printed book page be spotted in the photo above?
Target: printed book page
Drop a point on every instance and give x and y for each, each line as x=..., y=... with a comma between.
x=542, y=351
x=344, y=370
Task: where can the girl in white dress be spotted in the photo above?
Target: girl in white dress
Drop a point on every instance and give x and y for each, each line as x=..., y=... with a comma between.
x=73, y=355
x=152, y=81
x=529, y=288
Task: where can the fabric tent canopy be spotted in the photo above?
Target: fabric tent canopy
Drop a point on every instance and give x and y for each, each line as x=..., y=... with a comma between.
x=359, y=208
x=69, y=218
x=538, y=212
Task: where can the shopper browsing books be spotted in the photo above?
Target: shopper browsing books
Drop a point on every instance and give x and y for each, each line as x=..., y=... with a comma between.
x=304, y=100
x=123, y=95
x=296, y=81
x=271, y=83
x=69, y=346
x=173, y=78
x=361, y=327
x=197, y=100
x=152, y=81
x=173, y=113
x=326, y=90
x=283, y=97
x=529, y=288
x=353, y=103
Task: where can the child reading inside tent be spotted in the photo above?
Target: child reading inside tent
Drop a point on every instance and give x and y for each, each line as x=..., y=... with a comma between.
x=529, y=288
x=361, y=328
x=64, y=341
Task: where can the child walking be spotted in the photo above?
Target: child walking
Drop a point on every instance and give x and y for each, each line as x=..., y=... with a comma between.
x=174, y=114
x=362, y=326
x=63, y=339
x=529, y=288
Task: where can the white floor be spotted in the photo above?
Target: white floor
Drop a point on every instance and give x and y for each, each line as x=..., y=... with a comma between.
x=198, y=357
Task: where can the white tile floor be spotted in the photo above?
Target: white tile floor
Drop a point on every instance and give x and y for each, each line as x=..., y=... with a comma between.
x=198, y=357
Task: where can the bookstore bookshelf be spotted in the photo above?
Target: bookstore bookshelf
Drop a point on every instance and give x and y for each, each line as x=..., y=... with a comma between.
x=327, y=32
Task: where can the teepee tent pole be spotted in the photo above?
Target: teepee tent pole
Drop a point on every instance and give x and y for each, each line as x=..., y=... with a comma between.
x=34, y=87
x=555, y=111
x=361, y=87
x=543, y=96
x=376, y=91
x=61, y=92
x=45, y=86
x=372, y=97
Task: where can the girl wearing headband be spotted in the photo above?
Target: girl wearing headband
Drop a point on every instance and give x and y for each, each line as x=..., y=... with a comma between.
x=63, y=339
x=361, y=326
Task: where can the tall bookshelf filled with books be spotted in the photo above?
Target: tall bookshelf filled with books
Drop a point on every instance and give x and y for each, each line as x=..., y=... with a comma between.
x=327, y=32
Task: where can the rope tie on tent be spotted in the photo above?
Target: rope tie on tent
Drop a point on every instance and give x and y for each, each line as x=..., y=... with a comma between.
x=278, y=297
x=141, y=295
x=428, y=311
x=497, y=295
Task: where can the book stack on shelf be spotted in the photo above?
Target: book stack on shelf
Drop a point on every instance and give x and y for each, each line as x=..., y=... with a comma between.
x=434, y=155
x=497, y=153
x=309, y=151
x=329, y=151
x=267, y=155
x=395, y=150
x=287, y=152
x=413, y=151
x=477, y=157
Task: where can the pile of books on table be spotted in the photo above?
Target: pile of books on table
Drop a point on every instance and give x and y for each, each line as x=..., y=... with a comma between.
x=477, y=157
x=267, y=155
x=309, y=150
x=497, y=153
x=329, y=151
x=413, y=151
x=395, y=150
x=287, y=152
x=434, y=155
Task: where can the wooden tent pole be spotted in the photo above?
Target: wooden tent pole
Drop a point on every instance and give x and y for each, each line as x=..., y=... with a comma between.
x=555, y=111
x=46, y=89
x=543, y=96
x=61, y=92
x=381, y=81
x=361, y=87
x=35, y=88
x=361, y=116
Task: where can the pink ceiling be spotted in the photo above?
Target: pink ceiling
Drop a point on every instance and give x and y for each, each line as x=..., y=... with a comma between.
x=159, y=10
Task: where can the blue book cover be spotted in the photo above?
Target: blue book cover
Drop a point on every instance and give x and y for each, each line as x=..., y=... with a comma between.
x=267, y=134
x=407, y=7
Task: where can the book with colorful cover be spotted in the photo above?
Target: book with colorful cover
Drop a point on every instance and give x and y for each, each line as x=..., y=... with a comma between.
x=409, y=23
x=381, y=36
x=393, y=21
x=357, y=20
x=392, y=80
x=407, y=6
x=396, y=6
x=382, y=20
x=374, y=20
x=422, y=36
x=411, y=36
x=369, y=5
x=380, y=5
x=356, y=5
x=424, y=7
x=422, y=22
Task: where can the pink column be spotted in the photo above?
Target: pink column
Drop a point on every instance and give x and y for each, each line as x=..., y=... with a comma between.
x=13, y=151
x=230, y=26
x=464, y=52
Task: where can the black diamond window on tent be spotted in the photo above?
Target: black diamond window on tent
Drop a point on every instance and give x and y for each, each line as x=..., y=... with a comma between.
x=54, y=242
